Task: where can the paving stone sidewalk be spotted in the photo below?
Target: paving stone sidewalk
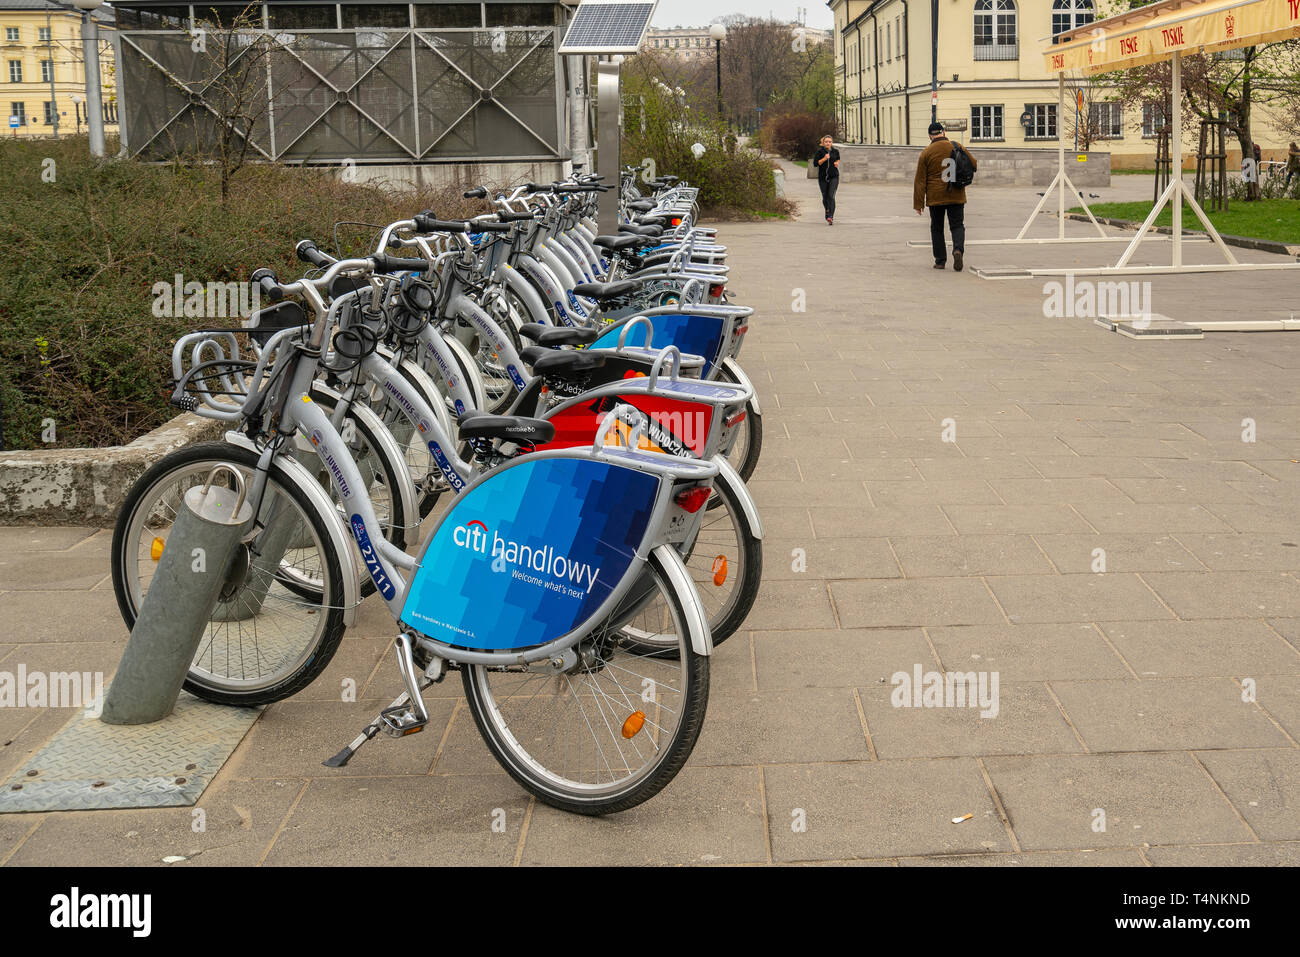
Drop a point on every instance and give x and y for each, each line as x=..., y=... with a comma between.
x=1147, y=714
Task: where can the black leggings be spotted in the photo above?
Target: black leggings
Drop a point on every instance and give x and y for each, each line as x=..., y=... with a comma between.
x=829, y=186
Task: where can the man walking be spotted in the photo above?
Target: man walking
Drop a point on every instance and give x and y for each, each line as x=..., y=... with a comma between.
x=937, y=186
x=827, y=161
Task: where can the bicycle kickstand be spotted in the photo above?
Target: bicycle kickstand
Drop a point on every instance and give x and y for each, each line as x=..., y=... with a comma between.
x=407, y=714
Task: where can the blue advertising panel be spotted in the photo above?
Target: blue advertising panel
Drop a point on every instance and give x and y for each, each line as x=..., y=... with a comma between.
x=530, y=554
x=692, y=335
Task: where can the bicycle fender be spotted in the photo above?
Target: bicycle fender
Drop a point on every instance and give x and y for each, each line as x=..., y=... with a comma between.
x=734, y=368
x=696, y=620
x=728, y=476
x=293, y=471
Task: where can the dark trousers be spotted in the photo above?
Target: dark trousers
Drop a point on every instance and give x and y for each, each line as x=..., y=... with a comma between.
x=956, y=213
x=829, y=186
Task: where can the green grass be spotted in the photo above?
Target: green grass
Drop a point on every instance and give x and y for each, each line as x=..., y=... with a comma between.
x=1274, y=219
x=1133, y=172
x=803, y=163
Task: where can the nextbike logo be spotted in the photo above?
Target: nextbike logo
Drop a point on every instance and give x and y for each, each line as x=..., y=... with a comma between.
x=368, y=555
x=476, y=537
x=330, y=463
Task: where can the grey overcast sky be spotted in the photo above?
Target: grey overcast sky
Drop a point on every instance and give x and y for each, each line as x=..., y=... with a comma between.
x=697, y=13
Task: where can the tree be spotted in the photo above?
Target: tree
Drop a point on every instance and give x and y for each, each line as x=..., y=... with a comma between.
x=228, y=94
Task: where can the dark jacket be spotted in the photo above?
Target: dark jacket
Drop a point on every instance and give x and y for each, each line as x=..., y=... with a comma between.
x=930, y=188
x=828, y=169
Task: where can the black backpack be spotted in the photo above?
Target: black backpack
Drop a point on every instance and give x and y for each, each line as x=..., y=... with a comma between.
x=962, y=167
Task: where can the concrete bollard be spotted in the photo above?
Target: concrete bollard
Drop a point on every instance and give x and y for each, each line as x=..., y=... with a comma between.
x=193, y=569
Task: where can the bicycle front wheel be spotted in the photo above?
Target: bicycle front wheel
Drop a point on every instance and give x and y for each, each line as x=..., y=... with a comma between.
x=280, y=624
x=612, y=730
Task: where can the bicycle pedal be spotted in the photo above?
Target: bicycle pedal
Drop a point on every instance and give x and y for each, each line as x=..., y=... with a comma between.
x=400, y=721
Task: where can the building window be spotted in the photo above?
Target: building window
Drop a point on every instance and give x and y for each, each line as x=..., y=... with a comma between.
x=1042, y=121
x=11, y=34
x=1155, y=117
x=19, y=110
x=889, y=42
x=15, y=71
x=47, y=71
x=49, y=113
x=986, y=122
x=1106, y=120
x=1068, y=14
x=995, y=30
x=43, y=34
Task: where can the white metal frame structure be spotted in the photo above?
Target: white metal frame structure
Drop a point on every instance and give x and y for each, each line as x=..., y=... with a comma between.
x=1173, y=16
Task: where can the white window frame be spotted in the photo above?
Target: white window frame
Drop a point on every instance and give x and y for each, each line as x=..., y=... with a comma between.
x=996, y=131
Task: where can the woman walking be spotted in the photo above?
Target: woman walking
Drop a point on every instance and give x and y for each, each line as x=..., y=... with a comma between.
x=827, y=161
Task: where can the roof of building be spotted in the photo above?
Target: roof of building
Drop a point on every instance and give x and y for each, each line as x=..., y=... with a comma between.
x=103, y=13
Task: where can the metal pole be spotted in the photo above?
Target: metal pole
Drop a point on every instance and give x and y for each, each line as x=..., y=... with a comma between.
x=54, y=99
x=717, y=62
x=934, y=59
x=1176, y=157
x=1060, y=156
x=94, y=99
x=609, y=142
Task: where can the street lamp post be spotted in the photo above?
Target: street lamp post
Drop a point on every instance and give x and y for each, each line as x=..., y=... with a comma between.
x=718, y=33
x=90, y=50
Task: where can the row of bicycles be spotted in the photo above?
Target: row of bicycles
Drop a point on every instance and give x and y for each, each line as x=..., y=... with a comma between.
x=528, y=439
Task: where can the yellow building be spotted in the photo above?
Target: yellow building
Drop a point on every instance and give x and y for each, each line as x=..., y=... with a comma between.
x=992, y=84
x=43, y=73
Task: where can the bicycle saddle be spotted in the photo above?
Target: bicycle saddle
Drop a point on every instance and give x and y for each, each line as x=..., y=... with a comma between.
x=604, y=291
x=564, y=364
x=641, y=205
x=560, y=335
x=511, y=428
x=616, y=243
x=651, y=220
x=631, y=230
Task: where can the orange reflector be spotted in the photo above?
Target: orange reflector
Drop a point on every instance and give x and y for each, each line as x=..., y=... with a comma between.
x=156, y=549
x=736, y=419
x=693, y=499
x=415, y=730
x=720, y=570
x=634, y=723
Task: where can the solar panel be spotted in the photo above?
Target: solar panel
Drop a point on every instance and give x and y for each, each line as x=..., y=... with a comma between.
x=608, y=26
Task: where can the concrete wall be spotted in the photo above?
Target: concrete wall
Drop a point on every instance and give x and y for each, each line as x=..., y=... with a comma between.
x=998, y=166
x=421, y=176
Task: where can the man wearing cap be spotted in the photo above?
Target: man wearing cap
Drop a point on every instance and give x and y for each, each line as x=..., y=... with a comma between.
x=935, y=187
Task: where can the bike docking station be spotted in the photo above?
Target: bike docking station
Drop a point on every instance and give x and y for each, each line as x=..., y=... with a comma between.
x=152, y=745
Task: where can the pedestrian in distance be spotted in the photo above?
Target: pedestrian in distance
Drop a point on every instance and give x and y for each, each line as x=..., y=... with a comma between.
x=827, y=161
x=943, y=172
x=1292, y=163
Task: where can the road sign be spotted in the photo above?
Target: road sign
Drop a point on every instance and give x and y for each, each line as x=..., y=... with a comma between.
x=954, y=126
x=15, y=122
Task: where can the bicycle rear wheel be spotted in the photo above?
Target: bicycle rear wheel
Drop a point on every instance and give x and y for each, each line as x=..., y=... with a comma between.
x=614, y=729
